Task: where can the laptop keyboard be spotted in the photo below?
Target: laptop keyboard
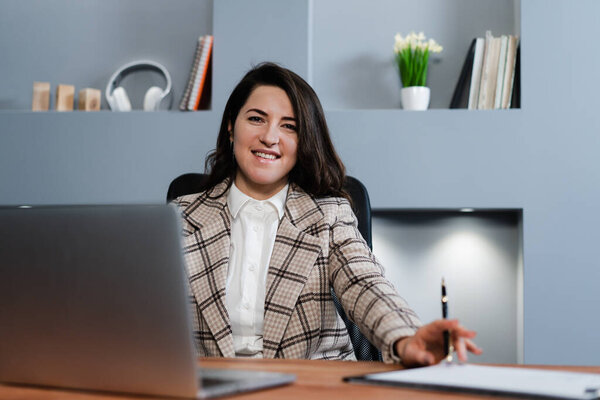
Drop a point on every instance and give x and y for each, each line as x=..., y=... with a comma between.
x=218, y=382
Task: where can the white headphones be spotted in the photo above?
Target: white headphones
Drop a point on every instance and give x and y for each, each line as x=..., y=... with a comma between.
x=117, y=97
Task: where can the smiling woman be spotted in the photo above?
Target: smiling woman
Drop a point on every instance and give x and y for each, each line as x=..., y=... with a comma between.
x=265, y=142
x=289, y=103
x=273, y=232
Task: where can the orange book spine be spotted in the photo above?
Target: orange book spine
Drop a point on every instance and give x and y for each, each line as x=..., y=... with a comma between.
x=208, y=45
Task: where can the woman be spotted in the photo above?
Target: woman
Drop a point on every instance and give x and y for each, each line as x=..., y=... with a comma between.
x=273, y=230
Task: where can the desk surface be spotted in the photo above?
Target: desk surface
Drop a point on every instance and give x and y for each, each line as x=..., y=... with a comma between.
x=315, y=379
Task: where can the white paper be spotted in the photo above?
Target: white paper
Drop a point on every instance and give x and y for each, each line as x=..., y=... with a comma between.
x=527, y=381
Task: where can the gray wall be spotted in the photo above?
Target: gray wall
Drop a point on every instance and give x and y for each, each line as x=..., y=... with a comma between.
x=541, y=159
x=477, y=254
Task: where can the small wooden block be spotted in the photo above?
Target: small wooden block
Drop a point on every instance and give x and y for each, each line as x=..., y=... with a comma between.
x=65, y=95
x=41, y=96
x=89, y=99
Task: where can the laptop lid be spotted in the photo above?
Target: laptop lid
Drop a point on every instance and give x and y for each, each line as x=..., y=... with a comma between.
x=95, y=297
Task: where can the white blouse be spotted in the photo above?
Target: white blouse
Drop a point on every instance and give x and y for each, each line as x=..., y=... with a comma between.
x=253, y=230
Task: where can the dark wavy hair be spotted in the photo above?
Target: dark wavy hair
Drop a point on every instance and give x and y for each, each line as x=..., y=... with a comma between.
x=318, y=170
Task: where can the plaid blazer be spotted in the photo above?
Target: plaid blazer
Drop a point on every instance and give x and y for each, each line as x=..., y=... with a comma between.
x=317, y=246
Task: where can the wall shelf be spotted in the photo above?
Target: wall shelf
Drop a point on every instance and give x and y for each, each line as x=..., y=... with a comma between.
x=354, y=68
x=109, y=34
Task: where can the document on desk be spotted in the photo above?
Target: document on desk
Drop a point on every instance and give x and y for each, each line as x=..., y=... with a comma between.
x=519, y=382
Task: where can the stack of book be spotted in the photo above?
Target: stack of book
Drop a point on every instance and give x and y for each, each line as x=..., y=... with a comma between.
x=197, y=91
x=490, y=77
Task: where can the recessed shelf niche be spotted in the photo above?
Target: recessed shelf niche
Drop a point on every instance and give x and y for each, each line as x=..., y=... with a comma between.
x=479, y=254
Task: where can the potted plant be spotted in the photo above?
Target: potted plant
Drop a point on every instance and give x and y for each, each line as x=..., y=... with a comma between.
x=412, y=57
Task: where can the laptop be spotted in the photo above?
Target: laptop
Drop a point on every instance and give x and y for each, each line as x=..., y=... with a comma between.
x=95, y=298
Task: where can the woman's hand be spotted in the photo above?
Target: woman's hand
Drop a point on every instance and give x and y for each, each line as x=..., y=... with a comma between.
x=426, y=346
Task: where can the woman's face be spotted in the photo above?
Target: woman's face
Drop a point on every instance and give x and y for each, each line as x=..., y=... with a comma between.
x=265, y=142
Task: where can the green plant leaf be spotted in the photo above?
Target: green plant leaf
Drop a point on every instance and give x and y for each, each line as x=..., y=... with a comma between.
x=413, y=66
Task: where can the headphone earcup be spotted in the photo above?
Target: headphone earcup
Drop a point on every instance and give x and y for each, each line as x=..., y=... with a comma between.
x=120, y=100
x=152, y=98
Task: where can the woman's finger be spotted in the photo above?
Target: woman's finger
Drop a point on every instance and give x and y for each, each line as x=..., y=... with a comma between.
x=461, y=349
x=446, y=324
x=435, y=329
x=472, y=347
x=418, y=357
x=461, y=331
x=463, y=345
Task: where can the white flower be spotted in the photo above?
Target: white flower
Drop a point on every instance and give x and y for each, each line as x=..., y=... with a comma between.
x=415, y=41
x=400, y=43
x=433, y=46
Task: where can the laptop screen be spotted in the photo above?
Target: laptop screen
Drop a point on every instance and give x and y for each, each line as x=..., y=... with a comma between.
x=95, y=297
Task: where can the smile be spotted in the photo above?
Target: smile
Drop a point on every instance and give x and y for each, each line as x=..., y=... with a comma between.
x=265, y=155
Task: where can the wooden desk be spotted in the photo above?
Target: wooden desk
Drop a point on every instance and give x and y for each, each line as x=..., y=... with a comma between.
x=315, y=380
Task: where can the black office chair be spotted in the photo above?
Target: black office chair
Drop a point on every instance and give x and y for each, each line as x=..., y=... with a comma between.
x=364, y=350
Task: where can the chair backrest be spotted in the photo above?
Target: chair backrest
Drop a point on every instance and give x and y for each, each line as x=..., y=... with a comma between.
x=185, y=184
x=363, y=349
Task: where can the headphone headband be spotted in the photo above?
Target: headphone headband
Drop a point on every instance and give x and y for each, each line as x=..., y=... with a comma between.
x=133, y=66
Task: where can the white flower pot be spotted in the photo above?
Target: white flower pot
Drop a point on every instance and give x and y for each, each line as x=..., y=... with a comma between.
x=415, y=97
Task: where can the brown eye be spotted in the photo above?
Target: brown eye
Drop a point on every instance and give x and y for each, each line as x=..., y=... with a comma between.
x=290, y=127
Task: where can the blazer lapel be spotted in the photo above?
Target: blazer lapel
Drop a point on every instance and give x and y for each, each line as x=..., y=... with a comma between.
x=207, y=257
x=294, y=254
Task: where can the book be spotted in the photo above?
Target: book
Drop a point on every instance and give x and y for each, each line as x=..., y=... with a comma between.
x=476, y=74
x=509, y=72
x=489, y=72
x=201, y=74
x=484, y=68
x=190, y=84
x=501, y=69
x=492, y=66
x=460, y=98
x=205, y=98
x=515, y=100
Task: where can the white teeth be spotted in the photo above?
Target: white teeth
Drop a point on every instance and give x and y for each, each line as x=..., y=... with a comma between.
x=264, y=155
